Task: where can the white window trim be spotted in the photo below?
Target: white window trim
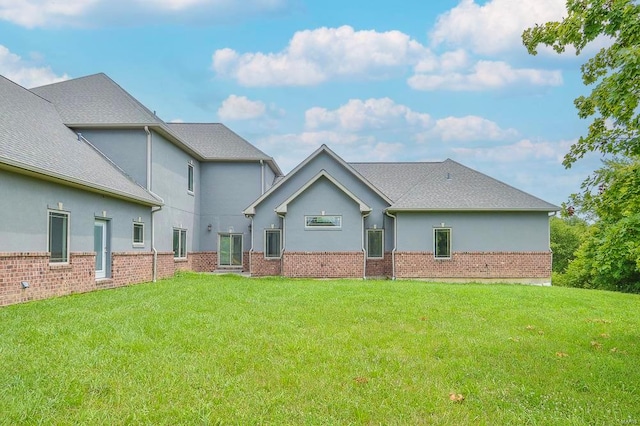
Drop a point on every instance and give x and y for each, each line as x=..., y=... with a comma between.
x=450, y=243
x=325, y=228
x=68, y=245
x=180, y=230
x=191, y=173
x=133, y=236
x=279, y=231
x=382, y=248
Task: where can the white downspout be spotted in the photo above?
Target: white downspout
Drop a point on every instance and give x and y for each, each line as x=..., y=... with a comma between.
x=283, y=243
x=153, y=211
x=395, y=245
x=364, y=249
x=251, y=249
x=261, y=177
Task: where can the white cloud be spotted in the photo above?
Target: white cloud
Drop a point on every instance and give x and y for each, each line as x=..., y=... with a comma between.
x=469, y=128
x=495, y=26
x=24, y=72
x=485, y=75
x=314, y=56
x=290, y=149
x=83, y=13
x=240, y=108
x=524, y=150
x=357, y=115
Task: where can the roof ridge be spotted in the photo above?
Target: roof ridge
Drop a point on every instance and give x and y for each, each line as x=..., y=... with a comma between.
x=420, y=181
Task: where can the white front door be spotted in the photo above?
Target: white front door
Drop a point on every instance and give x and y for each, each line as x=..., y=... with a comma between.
x=100, y=247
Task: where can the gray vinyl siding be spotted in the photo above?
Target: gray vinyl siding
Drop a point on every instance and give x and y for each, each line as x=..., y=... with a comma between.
x=230, y=187
x=169, y=179
x=125, y=147
x=323, y=195
x=24, y=217
x=265, y=215
x=476, y=231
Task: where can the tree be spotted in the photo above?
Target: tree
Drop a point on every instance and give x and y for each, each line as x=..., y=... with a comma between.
x=567, y=234
x=609, y=257
x=615, y=71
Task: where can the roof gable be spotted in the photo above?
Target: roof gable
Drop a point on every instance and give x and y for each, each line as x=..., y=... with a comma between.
x=33, y=140
x=282, y=208
x=323, y=150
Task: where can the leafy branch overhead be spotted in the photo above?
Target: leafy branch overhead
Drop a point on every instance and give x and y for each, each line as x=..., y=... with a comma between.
x=615, y=71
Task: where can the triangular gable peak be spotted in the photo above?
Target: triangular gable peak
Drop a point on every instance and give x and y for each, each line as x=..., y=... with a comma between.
x=282, y=208
x=251, y=209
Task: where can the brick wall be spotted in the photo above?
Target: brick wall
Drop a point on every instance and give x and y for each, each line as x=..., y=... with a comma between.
x=205, y=261
x=131, y=268
x=44, y=280
x=261, y=267
x=483, y=265
x=380, y=267
x=323, y=264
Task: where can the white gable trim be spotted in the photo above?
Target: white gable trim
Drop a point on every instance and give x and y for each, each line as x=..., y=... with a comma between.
x=251, y=210
x=282, y=208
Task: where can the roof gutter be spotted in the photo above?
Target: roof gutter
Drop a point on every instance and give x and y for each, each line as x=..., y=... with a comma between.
x=395, y=244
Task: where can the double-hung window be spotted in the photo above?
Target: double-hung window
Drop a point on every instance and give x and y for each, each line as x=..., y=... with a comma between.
x=58, y=237
x=179, y=243
x=138, y=234
x=375, y=243
x=272, y=243
x=442, y=243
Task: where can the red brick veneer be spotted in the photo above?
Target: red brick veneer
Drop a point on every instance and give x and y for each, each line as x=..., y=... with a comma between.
x=261, y=267
x=205, y=261
x=481, y=265
x=45, y=280
x=131, y=268
x=323, y=264
x=380, y=267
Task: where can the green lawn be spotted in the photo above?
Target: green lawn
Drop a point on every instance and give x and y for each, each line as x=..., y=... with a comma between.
x=200, y=349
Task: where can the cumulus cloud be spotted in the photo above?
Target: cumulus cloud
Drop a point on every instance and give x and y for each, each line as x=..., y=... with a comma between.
x=523, y=150
x=357, y=115
x=240, y=108
x=469, y=128
x=79, y=13
x=495, y=26
x=485, y=75
x=290, y=149
x=25, y=72
x=314, y=56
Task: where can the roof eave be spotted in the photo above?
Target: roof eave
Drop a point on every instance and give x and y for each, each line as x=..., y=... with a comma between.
x=479, y=209
x=47, y=175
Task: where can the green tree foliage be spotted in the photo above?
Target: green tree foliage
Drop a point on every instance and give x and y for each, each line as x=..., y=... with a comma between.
x=615, y=71
x=609, y=257
x=567, y=233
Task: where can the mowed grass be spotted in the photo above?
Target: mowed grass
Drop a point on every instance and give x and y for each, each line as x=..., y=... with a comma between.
x=202, y=349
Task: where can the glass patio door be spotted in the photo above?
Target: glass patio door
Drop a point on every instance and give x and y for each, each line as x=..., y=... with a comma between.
x=100, y=247
x=230, y=250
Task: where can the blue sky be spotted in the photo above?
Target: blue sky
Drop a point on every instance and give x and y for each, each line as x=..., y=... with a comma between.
x=376, y=81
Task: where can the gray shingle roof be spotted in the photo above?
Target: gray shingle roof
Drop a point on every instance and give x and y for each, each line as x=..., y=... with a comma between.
x=98, y=101
x=446, y=186
x=33, y=138
x=94, y=100
x=215, y=141
x=394, y=179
